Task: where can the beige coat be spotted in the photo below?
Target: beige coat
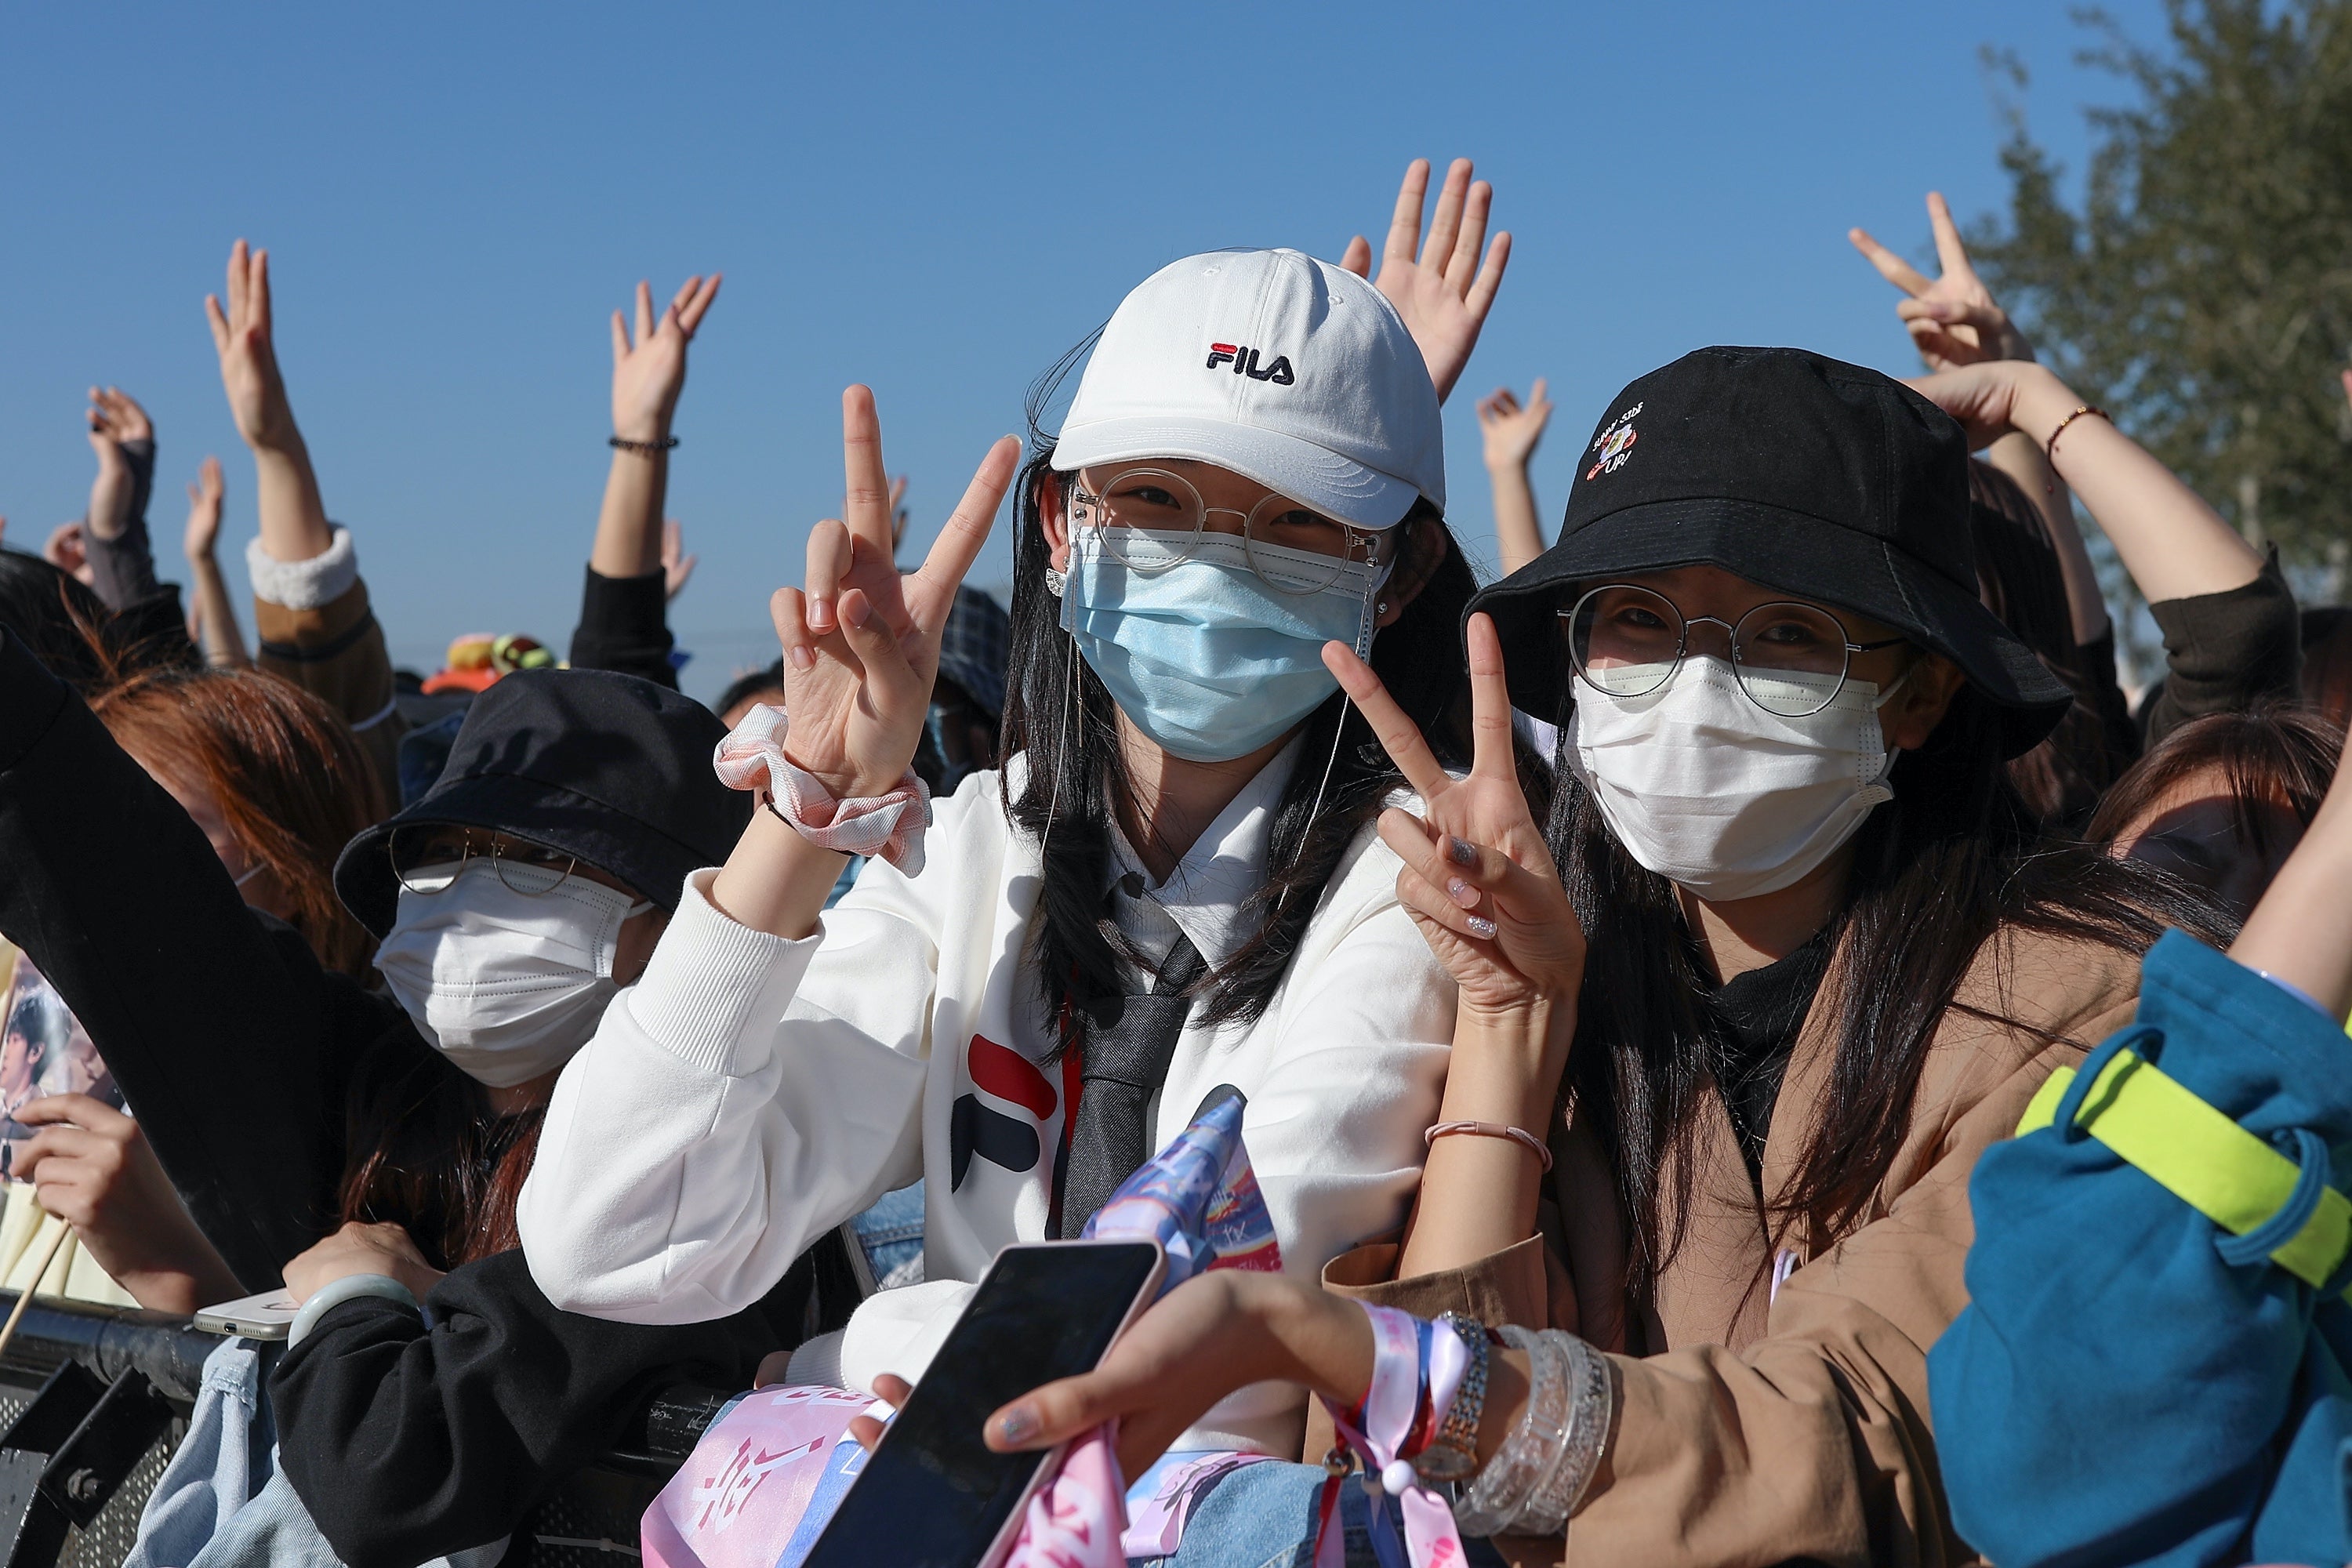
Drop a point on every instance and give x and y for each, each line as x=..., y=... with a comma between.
x=1756, y=1426
x=336, y=653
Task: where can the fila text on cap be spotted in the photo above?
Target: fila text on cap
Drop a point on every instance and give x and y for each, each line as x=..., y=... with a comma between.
x=1287, y=370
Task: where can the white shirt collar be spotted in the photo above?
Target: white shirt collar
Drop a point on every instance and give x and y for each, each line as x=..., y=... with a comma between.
x=1204, y=894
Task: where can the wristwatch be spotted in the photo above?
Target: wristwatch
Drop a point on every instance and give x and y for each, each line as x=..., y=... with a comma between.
x=1453, y=1454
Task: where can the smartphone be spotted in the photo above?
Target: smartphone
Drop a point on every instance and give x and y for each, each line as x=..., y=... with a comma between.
x=268, y=1316
x=932, y=1494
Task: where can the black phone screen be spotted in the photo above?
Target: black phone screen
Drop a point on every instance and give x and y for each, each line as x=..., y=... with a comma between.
x=932, y=1495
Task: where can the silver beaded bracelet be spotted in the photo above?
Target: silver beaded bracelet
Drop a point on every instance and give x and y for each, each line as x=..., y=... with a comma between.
x=1502, y=1488
x=1537, y=1477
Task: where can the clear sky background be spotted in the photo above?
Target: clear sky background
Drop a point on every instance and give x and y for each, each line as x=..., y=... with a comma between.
x=934, y=199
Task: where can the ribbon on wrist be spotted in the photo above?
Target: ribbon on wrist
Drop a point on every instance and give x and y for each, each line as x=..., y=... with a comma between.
x=1415, y=1372
x=889, y=825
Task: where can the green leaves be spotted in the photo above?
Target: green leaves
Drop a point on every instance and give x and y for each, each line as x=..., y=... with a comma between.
x=2202, y=288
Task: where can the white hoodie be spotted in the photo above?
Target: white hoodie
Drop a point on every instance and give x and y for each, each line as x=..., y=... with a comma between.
x=748, y=1093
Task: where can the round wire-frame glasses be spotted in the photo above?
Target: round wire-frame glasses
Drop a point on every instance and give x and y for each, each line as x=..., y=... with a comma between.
x=1791, y=658
x=1151, y=519
x=427, y=856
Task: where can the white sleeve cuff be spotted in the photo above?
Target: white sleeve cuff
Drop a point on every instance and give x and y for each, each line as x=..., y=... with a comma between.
x=817, y=1363
x=713, y=983
x=303, y=584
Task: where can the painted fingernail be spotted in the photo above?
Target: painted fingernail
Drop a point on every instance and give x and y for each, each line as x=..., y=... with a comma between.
x=1017, y=1425
x=857, y=616
x=1462, y=892
x=1461, y=852
x=1480, y=926
x=801, y=659
x=820, y=614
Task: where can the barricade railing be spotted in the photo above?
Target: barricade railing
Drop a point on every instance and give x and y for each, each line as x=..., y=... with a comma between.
x=94, y=1400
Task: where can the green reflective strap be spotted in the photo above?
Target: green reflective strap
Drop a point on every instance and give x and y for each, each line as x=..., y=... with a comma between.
x=2202, y=1157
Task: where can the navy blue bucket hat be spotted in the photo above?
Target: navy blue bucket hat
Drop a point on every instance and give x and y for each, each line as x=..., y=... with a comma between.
x=589, y=762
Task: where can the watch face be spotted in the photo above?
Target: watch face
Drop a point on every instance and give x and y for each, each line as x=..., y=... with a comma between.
x=1440, y=1465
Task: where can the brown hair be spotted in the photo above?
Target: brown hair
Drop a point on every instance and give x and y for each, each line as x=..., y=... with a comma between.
x=427, y=1152
x=2272, y=753
x=2327, y=662
x=285, y=771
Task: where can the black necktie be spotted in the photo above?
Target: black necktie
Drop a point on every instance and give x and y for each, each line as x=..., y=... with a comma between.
x=1129, y=1042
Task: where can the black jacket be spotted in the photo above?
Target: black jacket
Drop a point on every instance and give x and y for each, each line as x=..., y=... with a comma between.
x=624, y=625
x=235, y=1051
x=407, y=1444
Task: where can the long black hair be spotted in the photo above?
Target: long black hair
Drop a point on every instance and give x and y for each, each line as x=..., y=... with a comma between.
x=1954, y=857
x=1061, y=717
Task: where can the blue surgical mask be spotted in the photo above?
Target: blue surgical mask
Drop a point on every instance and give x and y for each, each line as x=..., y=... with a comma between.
x=1202, y=654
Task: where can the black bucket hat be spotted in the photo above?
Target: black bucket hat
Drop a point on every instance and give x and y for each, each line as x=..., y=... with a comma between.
x=1813, y=476
x=608, y=767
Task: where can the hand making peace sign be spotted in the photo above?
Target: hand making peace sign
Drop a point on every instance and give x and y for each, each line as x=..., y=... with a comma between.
x=1953, y=320
x=1478, y=879
x=861, y=642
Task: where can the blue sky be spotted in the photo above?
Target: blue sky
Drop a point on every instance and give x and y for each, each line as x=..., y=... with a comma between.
x=934, y=199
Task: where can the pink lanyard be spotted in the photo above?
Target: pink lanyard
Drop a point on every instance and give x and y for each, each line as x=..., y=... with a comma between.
x=1415, y=1371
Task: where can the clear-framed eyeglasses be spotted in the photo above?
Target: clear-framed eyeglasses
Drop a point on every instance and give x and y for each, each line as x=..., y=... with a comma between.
x=426, y=858
x=1149, y=519
x=1791, y=658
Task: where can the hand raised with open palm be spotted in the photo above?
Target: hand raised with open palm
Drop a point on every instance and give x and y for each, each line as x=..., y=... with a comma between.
x=1478, y=879
x=1440, y=286
x=861, y=641
x=650, y=373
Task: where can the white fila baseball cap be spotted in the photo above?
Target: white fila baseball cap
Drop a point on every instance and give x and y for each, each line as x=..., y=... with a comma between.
x=1290, y=371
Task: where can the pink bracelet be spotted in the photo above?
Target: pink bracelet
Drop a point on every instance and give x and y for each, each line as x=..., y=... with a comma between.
x=1533, y=1144
x=890, y=826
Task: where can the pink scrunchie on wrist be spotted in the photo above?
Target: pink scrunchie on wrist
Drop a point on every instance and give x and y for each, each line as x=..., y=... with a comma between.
x=890, y=826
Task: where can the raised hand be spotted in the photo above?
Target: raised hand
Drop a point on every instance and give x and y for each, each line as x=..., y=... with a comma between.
x=861, y=642
x=1439, y=286
x=1477, y=880
x=649, y=373
x=1953, y=320
x=677, y=564
x=248, y=353
x=65, y=551
x=205, y=510
x=1512, y=431
x=114, y=418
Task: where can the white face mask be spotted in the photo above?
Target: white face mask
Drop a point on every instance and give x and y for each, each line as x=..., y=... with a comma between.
x=1711, y=792
x=506, y=984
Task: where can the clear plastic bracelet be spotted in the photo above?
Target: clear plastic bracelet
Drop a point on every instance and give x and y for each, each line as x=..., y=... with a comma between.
x=1493, y=1503
x=1592, y=1397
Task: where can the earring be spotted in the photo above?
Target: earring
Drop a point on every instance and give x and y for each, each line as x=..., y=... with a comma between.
x=1055, y=582
x=1381, y=608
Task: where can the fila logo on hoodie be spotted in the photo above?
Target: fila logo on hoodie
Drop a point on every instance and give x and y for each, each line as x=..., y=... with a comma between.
x=1244, y=363
x=974, y=1127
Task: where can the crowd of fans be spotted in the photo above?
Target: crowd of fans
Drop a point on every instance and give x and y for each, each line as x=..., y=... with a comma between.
x=1654, y=952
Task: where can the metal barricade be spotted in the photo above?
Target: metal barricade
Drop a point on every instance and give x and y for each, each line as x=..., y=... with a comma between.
x=95, y=1399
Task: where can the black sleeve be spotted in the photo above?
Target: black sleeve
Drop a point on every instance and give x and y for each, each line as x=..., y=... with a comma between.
x=125, y=564
x=407, y=1443
x=2223, y=652
x=624, y=625
x=231, y=1043
x=2103, y=695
